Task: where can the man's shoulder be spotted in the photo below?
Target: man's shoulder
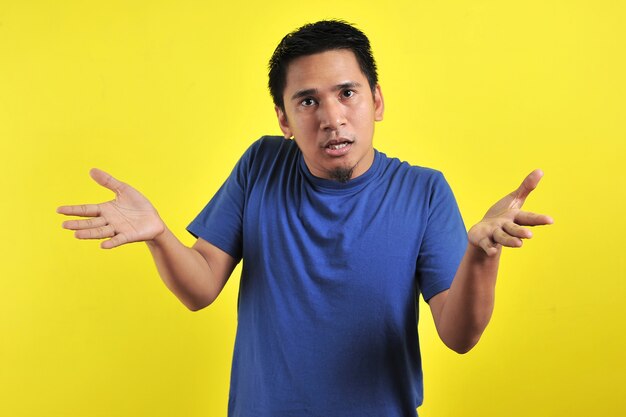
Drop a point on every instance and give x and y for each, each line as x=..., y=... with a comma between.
x=267, y=155
x=398, y=168
x=268, y=149
x=271, y=144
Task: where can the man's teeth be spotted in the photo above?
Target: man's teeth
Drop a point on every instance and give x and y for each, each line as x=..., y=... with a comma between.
x=339, y=146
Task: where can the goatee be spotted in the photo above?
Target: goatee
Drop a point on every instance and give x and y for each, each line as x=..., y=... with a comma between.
x=343, y=175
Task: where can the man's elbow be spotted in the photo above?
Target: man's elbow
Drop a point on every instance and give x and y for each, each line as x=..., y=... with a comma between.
x=198, y=304
x=462, y=349
x=195, y=307
x=464, y=345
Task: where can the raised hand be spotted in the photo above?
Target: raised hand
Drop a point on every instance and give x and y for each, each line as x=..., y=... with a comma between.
x=130, y=217
x=502, y=224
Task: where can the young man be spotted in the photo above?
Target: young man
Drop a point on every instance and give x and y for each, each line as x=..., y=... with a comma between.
x=338, y=241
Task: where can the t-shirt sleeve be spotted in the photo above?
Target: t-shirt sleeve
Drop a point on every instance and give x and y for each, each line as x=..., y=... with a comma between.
x=221, y=221
x=444, y=242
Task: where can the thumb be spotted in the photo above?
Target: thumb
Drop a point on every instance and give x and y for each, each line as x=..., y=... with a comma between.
x=529, y=184
x=106, y=180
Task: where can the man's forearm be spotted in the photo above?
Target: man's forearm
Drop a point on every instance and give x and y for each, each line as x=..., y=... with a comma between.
x=184, y=271
x=469, y=303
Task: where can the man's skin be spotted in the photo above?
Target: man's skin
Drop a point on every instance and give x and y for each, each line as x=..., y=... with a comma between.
x=330, y=111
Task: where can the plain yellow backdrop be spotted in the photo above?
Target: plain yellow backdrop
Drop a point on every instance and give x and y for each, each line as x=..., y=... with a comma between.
x=166, y=95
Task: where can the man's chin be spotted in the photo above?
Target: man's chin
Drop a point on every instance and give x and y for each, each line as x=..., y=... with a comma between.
x=341, y=174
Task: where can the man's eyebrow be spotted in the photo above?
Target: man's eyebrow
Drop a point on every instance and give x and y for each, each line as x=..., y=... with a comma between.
x=304, y=93
x=349, y=84
x=313, y=91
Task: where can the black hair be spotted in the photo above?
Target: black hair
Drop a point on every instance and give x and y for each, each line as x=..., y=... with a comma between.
x=313, y=38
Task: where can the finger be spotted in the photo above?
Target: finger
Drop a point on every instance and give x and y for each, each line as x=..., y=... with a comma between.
x=96, y=233
x=503, y=238
x=85, y=224
x=114, y=242
x=488, y=246
x=106, y=180
x=529, y=184
x=517, y=231
x=526, y=218
x=83, y=210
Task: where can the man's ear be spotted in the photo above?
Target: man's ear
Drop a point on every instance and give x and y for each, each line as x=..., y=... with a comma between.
x=283, y=123
x=379, y=104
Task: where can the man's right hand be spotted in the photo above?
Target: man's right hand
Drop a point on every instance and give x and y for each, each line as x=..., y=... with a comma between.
x=130, y=217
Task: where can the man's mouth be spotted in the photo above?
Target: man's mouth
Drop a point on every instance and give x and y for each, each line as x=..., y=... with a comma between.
x=338, y=147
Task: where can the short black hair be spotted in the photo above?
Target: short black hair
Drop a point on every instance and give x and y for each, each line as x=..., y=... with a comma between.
x=313, y=38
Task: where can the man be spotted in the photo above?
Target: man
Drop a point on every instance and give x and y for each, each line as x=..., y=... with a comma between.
x=337, y=240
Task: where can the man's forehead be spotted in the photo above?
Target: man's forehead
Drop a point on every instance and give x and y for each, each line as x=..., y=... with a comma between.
x=324, y=69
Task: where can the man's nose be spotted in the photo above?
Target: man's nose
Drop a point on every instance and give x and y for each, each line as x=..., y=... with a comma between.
x=332, y=115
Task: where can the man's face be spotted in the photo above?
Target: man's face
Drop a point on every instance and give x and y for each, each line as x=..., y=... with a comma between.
x=330, y=111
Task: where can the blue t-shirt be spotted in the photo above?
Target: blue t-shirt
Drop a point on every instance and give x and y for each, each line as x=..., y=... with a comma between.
x=328, y=299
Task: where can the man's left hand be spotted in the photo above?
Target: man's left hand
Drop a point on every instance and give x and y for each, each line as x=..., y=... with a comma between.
x=502, y=224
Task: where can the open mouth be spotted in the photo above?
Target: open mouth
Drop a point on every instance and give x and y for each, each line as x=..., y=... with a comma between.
x=338, y=147
x=335, y=146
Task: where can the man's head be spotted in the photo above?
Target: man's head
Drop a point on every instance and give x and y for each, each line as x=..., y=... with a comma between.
x=312, y=38
x=324, y=84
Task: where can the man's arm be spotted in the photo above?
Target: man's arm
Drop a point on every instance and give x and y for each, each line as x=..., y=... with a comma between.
x=195, y=275
x=462, y=313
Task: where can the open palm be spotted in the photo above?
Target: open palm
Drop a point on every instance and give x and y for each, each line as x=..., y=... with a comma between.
x=130, y=217
x=502, y=224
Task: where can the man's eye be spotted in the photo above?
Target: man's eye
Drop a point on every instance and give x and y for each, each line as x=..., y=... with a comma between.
x=348, y=93
x=307, y=102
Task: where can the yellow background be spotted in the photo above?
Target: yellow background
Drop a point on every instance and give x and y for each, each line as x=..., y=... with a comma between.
x=167, y=95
